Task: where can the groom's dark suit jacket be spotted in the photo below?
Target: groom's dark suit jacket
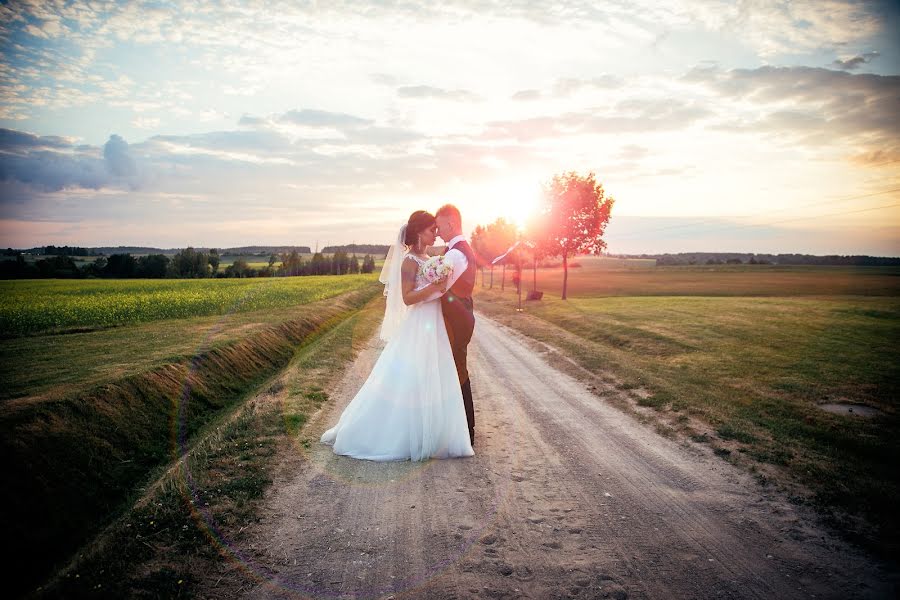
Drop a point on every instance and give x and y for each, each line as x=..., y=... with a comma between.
x=458, y=311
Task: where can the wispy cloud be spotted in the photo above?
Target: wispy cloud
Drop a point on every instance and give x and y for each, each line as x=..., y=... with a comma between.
x=820, y=107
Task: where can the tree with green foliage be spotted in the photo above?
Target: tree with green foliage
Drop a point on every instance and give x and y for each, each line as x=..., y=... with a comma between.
x=368, y=264
x=213, y=259
x=152, y=266
x=576, y=211
x=340, y=263
x=95, y=268
x=239, y=268
x=291, y=264
x=190, y=263
x=120, y=265
x=61, y=267
x=319, y=265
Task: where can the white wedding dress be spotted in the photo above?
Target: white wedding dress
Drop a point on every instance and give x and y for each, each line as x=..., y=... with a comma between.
x=411, y=406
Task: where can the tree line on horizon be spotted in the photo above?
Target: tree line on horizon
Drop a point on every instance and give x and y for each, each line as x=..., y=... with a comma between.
x=188, y=263
x=751, y=258
x=52, y=250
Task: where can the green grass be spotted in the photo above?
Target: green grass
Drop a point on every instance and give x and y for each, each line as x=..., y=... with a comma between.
x=750, y=370
x=38, y=305
x=168, y=544
x=43, y=366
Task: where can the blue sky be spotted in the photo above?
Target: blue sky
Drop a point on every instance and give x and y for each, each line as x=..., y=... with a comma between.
x=739, y=126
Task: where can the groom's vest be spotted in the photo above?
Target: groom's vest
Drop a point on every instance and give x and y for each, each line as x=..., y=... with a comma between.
x=464, y=286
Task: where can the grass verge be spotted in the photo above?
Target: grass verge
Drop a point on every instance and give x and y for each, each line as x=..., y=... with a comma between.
x=176, y=537
x=75, y=461
x=746, y=376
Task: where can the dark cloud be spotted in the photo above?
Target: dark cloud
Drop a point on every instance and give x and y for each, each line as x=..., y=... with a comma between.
x=52, y=171
x=48, y=163
x=51, y=163
x=856, y=62
x=426, y=91
x=15, y=141
x=118, y=159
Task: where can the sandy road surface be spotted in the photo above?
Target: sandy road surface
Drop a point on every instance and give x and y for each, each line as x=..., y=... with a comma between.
x=566, y=497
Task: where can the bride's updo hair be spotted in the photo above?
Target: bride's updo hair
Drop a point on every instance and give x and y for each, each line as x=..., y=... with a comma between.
x=418, y=222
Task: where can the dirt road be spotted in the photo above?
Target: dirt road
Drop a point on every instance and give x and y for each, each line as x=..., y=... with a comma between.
x=566, y=497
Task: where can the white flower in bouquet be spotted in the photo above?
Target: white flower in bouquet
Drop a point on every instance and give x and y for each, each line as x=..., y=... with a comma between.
x=437, y=268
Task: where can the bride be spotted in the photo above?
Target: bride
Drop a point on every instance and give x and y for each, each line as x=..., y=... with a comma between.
x=411, y=406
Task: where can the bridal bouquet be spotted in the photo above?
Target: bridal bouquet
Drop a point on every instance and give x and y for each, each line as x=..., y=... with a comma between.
x=436, y=269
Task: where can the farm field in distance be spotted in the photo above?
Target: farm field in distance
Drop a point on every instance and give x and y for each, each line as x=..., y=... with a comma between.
x=256, y=261
x=36, y=305
x=741, y=357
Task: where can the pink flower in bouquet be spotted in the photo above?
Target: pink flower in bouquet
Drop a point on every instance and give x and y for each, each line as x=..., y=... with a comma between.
x=436, y=269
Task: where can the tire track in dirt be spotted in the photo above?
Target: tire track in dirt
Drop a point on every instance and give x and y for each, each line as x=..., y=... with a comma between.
x=566, y=497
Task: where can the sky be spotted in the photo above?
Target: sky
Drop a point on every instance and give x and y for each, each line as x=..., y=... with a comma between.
x=744, y=126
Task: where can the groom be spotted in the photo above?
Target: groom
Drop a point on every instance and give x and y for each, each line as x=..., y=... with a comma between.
x=456, y=303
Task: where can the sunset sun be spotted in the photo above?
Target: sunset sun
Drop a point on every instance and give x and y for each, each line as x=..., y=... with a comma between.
x=513, y=199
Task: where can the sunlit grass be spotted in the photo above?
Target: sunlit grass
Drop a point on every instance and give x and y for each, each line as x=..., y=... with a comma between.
x=750, y=353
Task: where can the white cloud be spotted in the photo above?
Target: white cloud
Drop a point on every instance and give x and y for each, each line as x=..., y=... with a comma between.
x=145, y=122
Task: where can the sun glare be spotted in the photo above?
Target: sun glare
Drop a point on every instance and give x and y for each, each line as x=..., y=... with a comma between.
x=513, y=199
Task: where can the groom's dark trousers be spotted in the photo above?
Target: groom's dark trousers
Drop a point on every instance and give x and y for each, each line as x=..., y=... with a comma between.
x=459, y=317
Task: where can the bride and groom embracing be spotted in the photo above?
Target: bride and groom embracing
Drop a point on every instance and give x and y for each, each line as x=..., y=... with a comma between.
x=417, y=402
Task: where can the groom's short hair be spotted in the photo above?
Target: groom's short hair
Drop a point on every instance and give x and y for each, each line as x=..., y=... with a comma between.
x=448, y=210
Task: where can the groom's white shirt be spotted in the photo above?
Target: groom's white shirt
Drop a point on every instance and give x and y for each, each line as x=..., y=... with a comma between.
x=456, y=258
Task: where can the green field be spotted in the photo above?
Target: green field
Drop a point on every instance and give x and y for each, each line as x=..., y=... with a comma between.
x=35, y=305
x=741, y=358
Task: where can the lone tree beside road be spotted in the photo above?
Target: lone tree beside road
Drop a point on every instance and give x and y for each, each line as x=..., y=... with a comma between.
x=574, y=212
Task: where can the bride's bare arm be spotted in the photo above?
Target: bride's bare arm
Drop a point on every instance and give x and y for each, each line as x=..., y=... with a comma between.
x=408, y=278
